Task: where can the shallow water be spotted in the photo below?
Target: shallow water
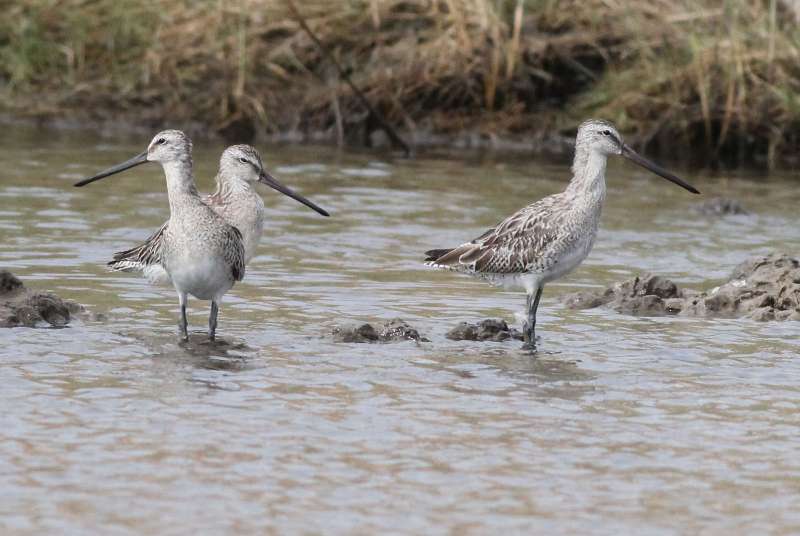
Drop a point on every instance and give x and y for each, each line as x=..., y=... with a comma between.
x=656, y=425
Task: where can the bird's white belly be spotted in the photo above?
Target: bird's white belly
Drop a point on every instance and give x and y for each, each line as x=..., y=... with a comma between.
x=203, y=278
x=568, y=261
x=156, y=274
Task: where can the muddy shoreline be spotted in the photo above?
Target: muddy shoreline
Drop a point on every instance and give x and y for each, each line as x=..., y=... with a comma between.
x=552, y=144
x=549, y=144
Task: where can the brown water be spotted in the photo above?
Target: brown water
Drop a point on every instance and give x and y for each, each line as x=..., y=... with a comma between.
x=623, y=424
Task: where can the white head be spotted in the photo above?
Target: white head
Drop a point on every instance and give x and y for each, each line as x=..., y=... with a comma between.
x=169, y=146
x=241, y=162
x=599, y=135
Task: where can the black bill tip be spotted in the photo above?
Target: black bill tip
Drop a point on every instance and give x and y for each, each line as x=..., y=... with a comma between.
x=635, y=157
x=270, y=181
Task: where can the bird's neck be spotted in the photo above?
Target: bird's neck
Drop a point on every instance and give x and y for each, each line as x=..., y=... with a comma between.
x=228, y=188
x=181, y=189
x=588, y=175
x=240, y=205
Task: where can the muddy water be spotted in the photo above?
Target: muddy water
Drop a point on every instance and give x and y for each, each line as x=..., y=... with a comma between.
x=659, y=425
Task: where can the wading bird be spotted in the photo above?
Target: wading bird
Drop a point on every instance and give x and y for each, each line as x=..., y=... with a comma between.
x=236, y=201
x=549, y=238
x=201, y=253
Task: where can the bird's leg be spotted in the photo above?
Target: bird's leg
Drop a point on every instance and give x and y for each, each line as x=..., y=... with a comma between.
x=532, y=303
x=212, y=320
x=183, y=324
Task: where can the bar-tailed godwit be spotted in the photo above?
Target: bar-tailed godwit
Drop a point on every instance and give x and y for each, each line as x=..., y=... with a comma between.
x=549, y=238
x=202, y=254
x=235, y=200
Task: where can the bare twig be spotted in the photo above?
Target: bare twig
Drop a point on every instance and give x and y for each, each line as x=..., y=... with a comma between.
x=384, y=125
x=337, y=114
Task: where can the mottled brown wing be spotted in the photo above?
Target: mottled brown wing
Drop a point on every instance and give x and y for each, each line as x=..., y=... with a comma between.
x=512, y=246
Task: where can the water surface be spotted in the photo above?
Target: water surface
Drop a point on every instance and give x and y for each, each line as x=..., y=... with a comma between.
x=623, y=424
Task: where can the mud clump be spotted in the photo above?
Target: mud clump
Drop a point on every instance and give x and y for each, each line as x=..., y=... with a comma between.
x=362, y=333
x=485, y=330
x=21, y=306
x=761, y=288
x=392, y=331
x=643, y=295
x=720, y=206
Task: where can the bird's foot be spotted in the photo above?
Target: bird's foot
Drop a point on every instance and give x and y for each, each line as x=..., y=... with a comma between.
x=530, y=343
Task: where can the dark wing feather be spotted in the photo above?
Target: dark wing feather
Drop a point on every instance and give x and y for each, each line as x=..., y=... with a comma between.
x=235, y=254
x=433, y=254
x=145, y=254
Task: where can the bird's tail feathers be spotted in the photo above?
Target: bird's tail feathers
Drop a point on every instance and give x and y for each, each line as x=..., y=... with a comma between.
x=432, y=255
x=125, y=265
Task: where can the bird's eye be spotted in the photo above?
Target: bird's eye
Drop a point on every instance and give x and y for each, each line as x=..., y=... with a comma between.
x=606, y=132
x=161, y=141
x=243, y=160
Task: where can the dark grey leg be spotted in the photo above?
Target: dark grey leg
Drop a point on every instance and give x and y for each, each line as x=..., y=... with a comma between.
x=183, y=326
x=212, y=320
x=532, y=303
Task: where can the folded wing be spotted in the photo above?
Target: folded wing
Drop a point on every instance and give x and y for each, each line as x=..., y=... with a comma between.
x=513, y=246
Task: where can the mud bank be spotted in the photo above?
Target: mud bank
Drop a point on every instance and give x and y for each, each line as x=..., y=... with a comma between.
x=548, y=144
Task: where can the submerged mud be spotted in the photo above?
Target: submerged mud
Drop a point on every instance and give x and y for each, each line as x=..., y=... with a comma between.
x=392, y=331
x=720, y=206
x=760, y=288
x=486, y=330
x=21, y=306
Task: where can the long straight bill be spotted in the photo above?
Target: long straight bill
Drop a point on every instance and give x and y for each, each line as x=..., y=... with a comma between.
x=270, y=181
x=635, y=157
x=133, y=162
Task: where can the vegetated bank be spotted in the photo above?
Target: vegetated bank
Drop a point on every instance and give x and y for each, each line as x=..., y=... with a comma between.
x=708, y=81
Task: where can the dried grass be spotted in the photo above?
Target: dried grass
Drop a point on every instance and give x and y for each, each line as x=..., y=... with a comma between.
x=714, y=79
